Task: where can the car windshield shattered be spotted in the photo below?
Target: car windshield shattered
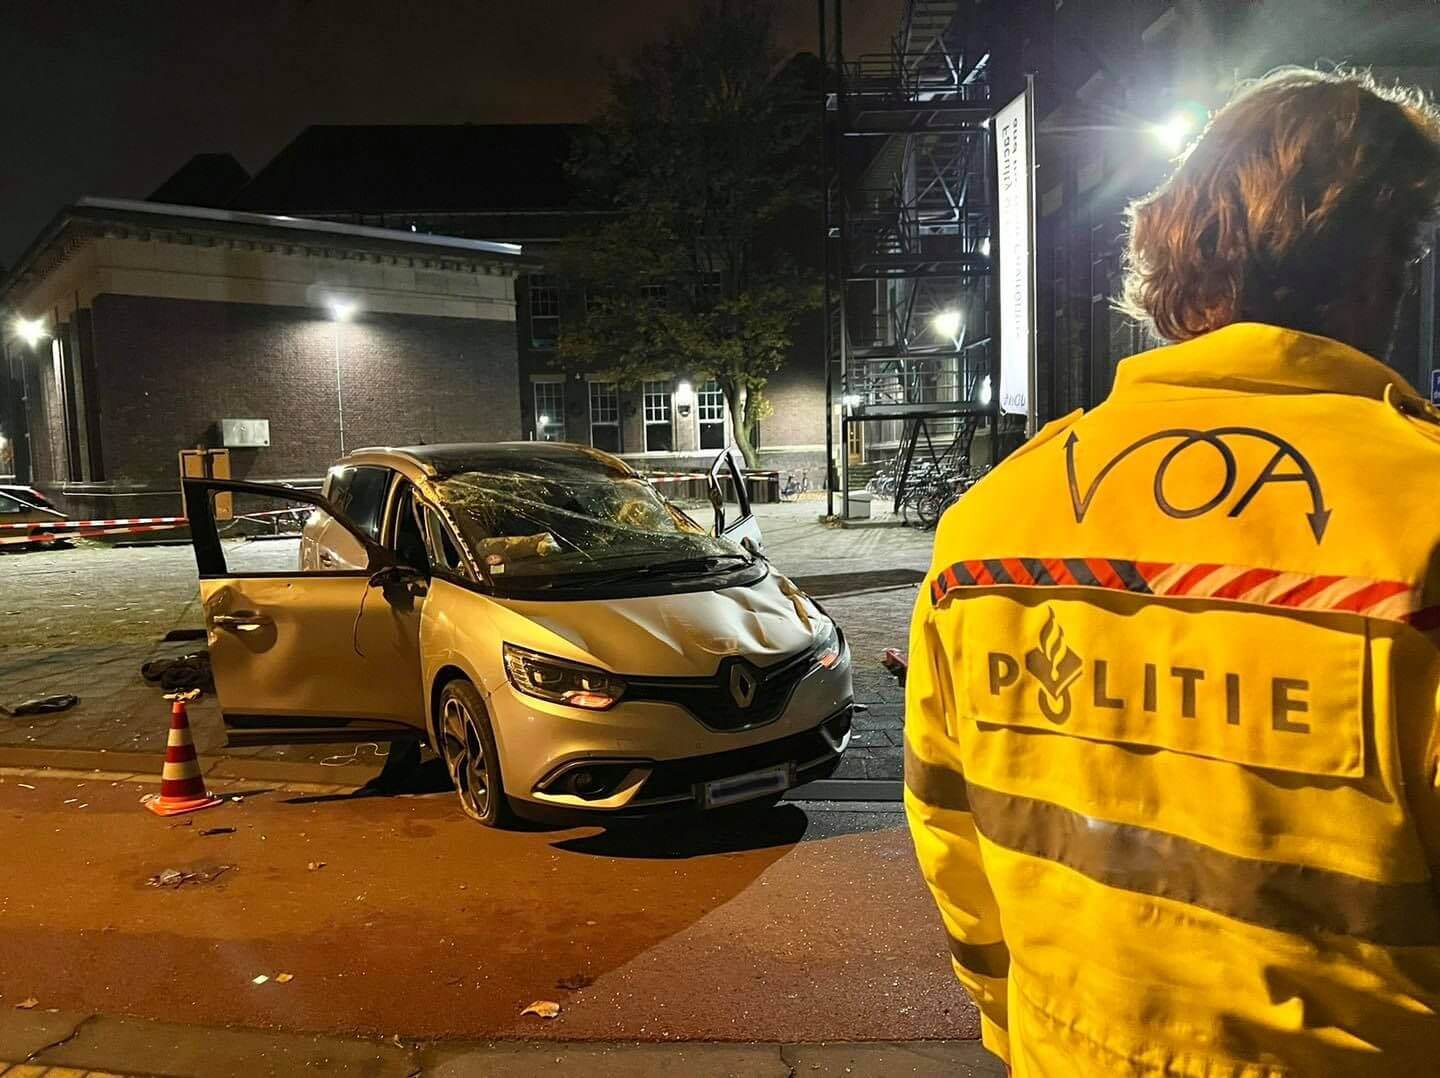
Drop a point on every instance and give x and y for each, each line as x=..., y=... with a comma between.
x=561, y=524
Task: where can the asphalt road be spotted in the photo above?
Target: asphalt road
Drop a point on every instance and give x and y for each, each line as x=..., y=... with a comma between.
x=802, y=924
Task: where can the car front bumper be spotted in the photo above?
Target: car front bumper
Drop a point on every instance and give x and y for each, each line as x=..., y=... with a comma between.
x=657, y=756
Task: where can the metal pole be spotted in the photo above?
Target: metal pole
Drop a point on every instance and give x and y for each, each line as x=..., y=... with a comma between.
x=997, y=329
x=1034, y=358
x=825, y=252
x=844, y=264
x=339, y=389
x=1427, y=322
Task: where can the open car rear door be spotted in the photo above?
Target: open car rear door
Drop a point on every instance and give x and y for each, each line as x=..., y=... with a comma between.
x=300, y=656
x=725, y=478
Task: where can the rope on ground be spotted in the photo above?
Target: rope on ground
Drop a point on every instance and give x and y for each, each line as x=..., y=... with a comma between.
x=339, y=760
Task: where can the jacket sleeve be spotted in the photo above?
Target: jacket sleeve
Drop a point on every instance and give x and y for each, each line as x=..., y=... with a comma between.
x=944, y=832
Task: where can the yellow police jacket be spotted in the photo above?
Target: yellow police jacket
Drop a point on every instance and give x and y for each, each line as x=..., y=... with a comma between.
x=1171, y=737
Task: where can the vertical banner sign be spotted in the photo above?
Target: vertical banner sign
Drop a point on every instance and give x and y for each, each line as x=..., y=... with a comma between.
x=1016, y=170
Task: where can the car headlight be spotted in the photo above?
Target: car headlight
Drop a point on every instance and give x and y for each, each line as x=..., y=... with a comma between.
x=829, y=644
x=561, y=681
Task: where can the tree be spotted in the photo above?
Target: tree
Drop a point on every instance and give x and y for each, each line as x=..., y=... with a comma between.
x=707, y=151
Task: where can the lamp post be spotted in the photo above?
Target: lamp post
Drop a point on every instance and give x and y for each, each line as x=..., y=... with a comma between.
x=341, y=310
x=30, y=331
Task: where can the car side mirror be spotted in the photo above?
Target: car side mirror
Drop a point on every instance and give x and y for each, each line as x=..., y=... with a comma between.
x=393, y=577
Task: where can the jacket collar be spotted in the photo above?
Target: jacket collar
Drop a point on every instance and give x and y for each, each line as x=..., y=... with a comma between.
x=1248, y=357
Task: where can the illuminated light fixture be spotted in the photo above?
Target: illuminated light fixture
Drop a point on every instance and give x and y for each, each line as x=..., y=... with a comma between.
x=851, y=400
x=342, y=310
x=985, y=391
x=31, y=330
x=985, y=246
x=947, y=324
x=1175, y=132
x=684, y=395
x=544, y=420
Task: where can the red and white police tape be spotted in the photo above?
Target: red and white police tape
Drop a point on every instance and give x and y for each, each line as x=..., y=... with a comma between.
x=47, y=531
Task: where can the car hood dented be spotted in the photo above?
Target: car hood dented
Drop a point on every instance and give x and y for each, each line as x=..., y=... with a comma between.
x=679, y=635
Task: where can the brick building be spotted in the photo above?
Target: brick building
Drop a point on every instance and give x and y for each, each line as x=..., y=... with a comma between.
x=509, y=182
x=138, y=328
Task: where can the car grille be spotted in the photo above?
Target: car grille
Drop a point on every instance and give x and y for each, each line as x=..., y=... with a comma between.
x=712, y=701
x=808, y=750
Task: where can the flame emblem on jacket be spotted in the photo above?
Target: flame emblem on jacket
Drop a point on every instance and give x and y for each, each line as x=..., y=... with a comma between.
x=1056, y=666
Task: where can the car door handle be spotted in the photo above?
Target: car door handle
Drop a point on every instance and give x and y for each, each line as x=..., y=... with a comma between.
x=326, y=558
x=246, y=621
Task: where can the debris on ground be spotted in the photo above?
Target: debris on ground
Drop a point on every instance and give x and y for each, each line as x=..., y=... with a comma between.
x=190, y=671
x=25, y=786
x=315, y=865
x=27, y=1004
x=260, y=979
x=284, y=978
x=575, y=982
x=217, y=831
x=41, y=705
x=174, y=877
x=542, y=1008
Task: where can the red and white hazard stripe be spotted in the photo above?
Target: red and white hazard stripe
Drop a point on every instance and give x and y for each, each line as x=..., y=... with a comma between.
x=1392, y=600
x=47, y=531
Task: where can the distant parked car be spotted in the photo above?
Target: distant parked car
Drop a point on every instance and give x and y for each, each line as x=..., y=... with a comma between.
x=568, y=640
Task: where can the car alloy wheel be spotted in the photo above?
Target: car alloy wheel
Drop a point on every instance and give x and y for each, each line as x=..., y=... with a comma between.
x=469, y=754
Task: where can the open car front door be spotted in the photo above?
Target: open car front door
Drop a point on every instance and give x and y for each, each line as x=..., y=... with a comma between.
x=301, y=656
x=741, y=524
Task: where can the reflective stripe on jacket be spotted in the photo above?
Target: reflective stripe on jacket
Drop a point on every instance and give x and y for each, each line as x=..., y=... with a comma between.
x=1171, y=738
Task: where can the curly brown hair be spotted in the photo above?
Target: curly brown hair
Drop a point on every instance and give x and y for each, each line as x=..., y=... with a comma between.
x=1300, y=206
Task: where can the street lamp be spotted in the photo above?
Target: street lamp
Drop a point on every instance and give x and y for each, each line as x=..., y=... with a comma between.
x=341, y=310
x=1174, y=133
x=986, y=393
x=31, y=330
x=947, y=324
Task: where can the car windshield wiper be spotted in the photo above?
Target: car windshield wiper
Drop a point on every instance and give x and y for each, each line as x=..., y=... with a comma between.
x=680, y=567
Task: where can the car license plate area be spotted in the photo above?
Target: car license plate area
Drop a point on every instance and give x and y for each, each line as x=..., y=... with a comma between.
x=737, y=788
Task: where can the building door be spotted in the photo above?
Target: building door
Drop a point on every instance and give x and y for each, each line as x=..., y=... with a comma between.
x=659, y=422
x=605, y=416
x=710, y=403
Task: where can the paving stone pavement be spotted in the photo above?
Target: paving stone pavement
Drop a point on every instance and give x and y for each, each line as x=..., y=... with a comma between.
x=83, y=620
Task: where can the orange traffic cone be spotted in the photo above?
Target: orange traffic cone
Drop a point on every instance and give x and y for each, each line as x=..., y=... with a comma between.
x=182, y=787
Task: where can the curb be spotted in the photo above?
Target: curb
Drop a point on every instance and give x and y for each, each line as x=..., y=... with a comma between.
x=145, y=766
x=32, y=1041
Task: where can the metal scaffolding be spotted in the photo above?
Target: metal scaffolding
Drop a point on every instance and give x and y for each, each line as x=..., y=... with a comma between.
x=909, y=219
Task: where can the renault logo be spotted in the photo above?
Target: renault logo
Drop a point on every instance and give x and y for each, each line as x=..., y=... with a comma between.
x=743, y=684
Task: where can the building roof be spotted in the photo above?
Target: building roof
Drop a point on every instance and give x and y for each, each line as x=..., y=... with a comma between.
x=155, y=216
x=207, y=179
x=420, y=168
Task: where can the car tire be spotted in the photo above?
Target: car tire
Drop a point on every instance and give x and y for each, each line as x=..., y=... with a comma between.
x=466, y=744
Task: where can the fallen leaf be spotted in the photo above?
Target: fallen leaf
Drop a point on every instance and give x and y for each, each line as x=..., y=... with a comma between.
x=259, y=979
x=27, y=1004
x=313, y=865
x=284, y=978
x=542, y=1008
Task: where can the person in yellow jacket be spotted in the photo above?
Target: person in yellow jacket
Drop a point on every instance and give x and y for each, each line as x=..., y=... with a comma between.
x=1171, y=732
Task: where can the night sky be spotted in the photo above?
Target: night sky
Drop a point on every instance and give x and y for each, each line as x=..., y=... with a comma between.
x=105, y=97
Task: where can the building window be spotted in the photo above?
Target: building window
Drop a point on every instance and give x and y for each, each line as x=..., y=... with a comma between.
x=654, y=293
x=659, y=430
x=544, y=311
x=710, y=403
x=550, y=411
x=708, y=288
x=605, y=416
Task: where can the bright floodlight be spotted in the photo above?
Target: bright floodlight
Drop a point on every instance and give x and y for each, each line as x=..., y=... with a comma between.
x=851, y=400
x=1175, y=132
x=684, y=395
x=342, y=310
x=985, y=391
x=947, y=324
x=985, y=246
x=544, y=421
x=31, y=330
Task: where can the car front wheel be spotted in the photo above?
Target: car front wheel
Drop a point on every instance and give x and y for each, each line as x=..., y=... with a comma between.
x=467, y=746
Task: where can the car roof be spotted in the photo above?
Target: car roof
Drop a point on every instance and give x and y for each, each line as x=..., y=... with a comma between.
x=449, y=459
